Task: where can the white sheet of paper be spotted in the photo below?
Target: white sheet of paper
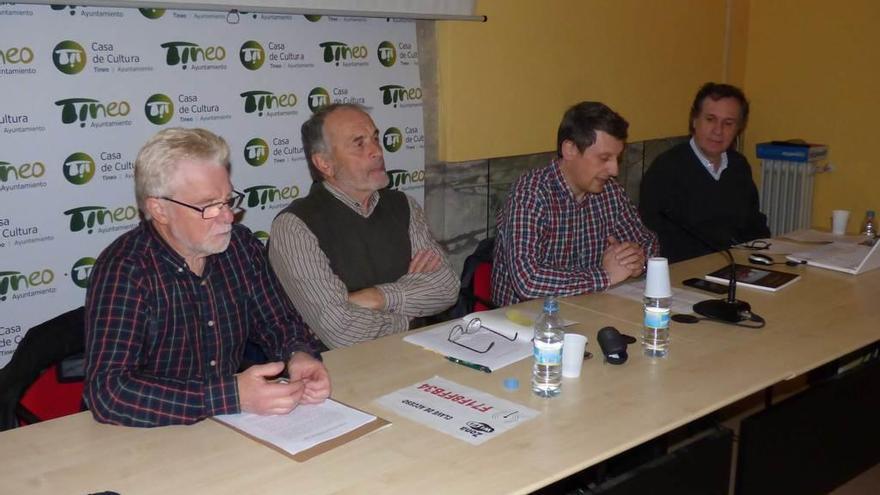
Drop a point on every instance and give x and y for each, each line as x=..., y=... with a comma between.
x=810, y=236
x=503, y=351
x=306, y=426
x=459, y=411
x=683, y=300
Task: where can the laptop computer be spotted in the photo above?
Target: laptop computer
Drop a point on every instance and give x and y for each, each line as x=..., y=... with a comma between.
x=842, y=256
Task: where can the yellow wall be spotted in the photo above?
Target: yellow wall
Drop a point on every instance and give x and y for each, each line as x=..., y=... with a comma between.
x=504, y=84
x=813, y=72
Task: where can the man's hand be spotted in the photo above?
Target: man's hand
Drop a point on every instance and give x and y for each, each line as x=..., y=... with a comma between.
x=425, y=261
x=257, y=394
x=622, y=260
x=307, y=370
x=370, y=298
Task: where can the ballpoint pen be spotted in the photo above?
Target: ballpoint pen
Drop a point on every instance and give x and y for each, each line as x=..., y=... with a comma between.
x=473, y=366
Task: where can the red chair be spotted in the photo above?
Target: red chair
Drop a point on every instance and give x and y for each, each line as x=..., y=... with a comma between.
x=482, y=286
x=51, y=396
x=44, y=378
x=476, y=281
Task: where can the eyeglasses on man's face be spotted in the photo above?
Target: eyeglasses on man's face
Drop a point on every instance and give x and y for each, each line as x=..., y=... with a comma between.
x=471, y=327
x=212, y=210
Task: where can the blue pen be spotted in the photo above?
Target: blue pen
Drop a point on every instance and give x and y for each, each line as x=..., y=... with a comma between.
x=473, y=366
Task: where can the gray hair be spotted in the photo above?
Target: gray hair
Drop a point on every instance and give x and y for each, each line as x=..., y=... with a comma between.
x=312, y=132
x=156, y=163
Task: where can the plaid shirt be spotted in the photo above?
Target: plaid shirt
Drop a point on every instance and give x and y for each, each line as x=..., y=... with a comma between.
x=549, y=244
x=163, y=344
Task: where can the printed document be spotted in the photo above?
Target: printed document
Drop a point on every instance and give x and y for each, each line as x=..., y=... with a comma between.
x=514, y=343
x=306, y=427
x=848, y=254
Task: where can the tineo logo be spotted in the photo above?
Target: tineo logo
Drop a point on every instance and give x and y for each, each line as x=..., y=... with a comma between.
x=159, y=109
x=264, y=195
x=16, y=281
x=252, y=55
x=312, y=18
x=152, y=14
x=392, y=140
x=258, y=101
x=81, y=270
x=335, y=51
x=393, y=94
x=256, y=152
x=15, y=55
x=78, y=168
x=387, y=53
x=318, y=97
x=69, y=57
x=25, y=171
x=184, y=52
x=89, y=217
x=82, y=109
x=398, y=178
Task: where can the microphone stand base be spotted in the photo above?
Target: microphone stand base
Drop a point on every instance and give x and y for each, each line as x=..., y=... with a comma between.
x=724, y=310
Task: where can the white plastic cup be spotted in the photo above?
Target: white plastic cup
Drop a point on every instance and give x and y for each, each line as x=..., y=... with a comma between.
x=657, y=283
x=573, y=346
x=839, y=219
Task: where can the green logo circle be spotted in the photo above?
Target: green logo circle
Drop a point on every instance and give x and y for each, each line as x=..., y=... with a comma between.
x=256, y=152
x=78, y=168
x=159, y=109
x=152, y=13
x=318, y=97
x=69, y=57
x=386, y=53
x=392, y=140
x=251, y=55
x=81, y=270
x=312, y=18
x=262, y=235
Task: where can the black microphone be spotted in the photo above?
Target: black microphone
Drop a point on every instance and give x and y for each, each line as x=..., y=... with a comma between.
x=613, y=345
x=731, y=309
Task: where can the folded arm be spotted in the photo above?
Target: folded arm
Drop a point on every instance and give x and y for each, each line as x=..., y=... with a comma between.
x=318, y=294
x=430, y=286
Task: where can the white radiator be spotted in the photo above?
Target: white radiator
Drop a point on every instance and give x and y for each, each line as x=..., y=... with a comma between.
x=787, y=194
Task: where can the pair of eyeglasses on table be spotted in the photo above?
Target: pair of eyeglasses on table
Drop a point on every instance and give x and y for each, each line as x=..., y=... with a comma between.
x=755, y=245
x=471, y=327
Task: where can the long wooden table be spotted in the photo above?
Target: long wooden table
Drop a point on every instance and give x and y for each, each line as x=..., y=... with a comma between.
x=607, y=410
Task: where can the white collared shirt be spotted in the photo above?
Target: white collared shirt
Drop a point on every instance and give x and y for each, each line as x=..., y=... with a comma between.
x=710, y=167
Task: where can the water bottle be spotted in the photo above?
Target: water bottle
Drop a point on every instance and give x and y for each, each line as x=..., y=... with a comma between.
x=549, y=333
x=658, y=298
x=655, y=335
x=869, y=228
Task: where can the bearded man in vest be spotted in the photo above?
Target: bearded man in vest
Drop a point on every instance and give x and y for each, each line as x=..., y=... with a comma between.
x=355, y=258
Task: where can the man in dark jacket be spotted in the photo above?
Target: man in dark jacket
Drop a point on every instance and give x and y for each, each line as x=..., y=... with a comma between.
x=702, y=188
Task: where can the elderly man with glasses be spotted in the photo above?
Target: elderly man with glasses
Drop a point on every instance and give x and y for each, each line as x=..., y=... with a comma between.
x=171, y=303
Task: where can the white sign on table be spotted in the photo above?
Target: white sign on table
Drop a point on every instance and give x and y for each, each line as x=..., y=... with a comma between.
x=462, y=412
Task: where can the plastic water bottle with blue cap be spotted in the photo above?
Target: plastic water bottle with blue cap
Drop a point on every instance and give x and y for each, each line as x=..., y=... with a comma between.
x=549, y=333
x=658, y=298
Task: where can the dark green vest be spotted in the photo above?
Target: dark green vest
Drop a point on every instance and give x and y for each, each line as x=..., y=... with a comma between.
x=363, y=252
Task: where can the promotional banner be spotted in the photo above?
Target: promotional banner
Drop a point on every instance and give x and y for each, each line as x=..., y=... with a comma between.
x=82, y=88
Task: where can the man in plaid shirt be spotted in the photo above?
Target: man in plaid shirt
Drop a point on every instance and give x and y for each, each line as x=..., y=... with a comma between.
x=172, y=302
x=569, y=228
